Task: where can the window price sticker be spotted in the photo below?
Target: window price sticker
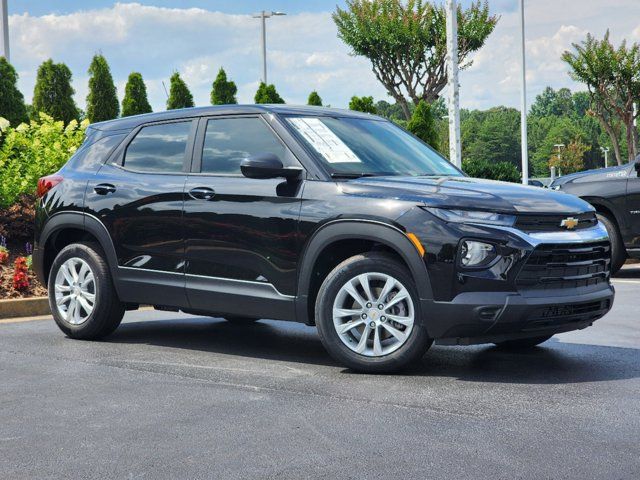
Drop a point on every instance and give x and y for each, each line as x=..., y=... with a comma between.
x=323, y=140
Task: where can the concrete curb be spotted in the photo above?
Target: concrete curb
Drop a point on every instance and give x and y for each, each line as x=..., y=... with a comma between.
x=24, y=307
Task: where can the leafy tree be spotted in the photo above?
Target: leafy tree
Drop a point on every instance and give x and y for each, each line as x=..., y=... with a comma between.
x=362, y=104
x=551, y=102
x=12, y=105
x=267, y=94
x=611, y=75
x=571, y=158
x=102, y=100
x=406, y=42
x=53, y=93
x=223, y=91
x=314, y=99
x=494, y=136
x=135, y=100
x=423, y=124
x=503, y=171
x=179, y=94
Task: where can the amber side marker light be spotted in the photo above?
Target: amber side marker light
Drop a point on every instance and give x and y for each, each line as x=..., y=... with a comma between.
x=416, y=243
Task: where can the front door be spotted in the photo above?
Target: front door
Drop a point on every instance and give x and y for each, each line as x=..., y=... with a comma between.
x=633, y=206
x=138, y=197
x=241, y=233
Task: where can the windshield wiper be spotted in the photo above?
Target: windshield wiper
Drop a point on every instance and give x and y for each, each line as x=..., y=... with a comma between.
x=358, y=175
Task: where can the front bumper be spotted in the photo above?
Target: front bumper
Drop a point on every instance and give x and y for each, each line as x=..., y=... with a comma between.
x=481, y=317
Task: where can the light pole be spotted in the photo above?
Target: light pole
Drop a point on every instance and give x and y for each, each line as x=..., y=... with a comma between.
x=4, y=30
x=605, y=150
x=523, y=103
x=453, y=100
x=263, y=16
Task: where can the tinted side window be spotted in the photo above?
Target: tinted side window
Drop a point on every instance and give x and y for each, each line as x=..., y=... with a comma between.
x=228, y=141
x=158, y=148
x=91, y=155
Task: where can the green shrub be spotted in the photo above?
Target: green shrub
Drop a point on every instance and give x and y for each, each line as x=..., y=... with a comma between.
x=362, y=104
x=423, y=124
x=33, y=150
x=504, y=171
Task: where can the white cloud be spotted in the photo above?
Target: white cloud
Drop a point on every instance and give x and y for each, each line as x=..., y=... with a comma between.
x=304, y=52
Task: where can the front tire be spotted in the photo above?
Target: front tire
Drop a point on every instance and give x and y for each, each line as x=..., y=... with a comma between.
x=618, y=252
x=82, y=297
x=368, y=315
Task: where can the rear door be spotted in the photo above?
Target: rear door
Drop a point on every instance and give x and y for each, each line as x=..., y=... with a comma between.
x=138, y=196
x=241, y=233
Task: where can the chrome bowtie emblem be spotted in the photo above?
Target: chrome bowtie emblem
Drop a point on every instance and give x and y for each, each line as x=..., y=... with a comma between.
x=569, y=223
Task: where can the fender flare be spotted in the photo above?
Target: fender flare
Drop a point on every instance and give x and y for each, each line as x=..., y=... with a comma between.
x=606, y=203
x=80, y=221
x=350, y=229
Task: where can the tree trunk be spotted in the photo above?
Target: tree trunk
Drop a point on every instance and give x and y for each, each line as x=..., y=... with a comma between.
x=612, y=135
x=631, y=138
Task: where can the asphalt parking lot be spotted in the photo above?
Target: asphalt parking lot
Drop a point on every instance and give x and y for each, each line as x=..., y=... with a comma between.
x=176, y=396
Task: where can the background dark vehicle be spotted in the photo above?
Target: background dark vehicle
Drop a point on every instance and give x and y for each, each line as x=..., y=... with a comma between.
x=333, y=218
x=615, y=194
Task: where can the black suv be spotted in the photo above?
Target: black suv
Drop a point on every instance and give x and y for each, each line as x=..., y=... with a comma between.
x=615, y=194
x=332, y=218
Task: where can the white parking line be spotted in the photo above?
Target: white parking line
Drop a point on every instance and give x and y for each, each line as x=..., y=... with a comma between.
x=624, y=280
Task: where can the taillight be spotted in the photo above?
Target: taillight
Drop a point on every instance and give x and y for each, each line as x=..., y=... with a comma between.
x=47, y=183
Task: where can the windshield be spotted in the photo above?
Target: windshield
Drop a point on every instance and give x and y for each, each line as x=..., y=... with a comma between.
x=353, y=147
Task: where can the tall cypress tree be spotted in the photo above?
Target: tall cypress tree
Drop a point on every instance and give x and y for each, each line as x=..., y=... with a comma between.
x=12, y=105
x=267, y=94
x=223, y=91
x=53, y=93
x=135, y=96
x=314, y=99
x=179, y=94
x=102, y=100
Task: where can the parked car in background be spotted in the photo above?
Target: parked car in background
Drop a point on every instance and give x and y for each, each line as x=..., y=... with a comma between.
x=615, y=194
x=333, y=218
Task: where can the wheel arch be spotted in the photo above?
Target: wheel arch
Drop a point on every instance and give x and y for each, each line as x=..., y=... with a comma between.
x=68, y=227
x=368, y=232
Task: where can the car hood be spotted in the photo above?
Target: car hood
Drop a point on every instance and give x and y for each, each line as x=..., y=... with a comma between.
x=467, y=193
x=596, y=175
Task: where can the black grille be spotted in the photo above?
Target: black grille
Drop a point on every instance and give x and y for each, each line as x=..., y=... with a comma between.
x=556, y=266
x=551, y=223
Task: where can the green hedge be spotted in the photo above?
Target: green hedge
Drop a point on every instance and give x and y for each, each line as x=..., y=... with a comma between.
x=33, y=150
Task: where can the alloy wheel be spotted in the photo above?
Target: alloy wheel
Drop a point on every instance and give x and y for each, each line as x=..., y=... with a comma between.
x=75, y=291
x=373, y=314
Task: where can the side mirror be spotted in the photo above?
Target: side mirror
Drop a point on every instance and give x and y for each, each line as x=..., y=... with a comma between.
x=267, y=165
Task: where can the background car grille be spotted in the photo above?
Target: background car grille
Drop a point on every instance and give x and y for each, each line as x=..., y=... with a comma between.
x=556, y=266
x=551, y=223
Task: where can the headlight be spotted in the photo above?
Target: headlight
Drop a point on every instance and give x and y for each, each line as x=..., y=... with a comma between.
x=476, y=254
x=472, y=216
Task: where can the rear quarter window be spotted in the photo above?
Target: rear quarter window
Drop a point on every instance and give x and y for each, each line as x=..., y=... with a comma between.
x=92, y=154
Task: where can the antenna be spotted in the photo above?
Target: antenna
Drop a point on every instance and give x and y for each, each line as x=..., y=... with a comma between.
x=165, y=89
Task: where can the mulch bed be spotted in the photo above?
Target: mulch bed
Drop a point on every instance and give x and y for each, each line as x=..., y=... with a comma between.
x=6, y=280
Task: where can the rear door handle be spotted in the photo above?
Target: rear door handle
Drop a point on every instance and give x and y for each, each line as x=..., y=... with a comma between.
x=104, y=188
x=202, y=193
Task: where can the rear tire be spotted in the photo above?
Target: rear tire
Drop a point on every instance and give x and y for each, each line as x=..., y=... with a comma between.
x=381, y=331
x=523, y=343
x=618, y=252
x=83, y=300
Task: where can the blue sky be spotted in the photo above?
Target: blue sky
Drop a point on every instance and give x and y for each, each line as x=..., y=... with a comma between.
x=196, y=37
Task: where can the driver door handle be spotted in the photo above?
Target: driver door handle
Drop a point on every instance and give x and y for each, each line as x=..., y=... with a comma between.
x=202, y=193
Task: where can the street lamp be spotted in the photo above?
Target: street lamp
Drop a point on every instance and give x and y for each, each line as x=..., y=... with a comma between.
x=523, y=103
x=4, y=30
x=263, y=16
x=605, y=150
x=453, y=99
